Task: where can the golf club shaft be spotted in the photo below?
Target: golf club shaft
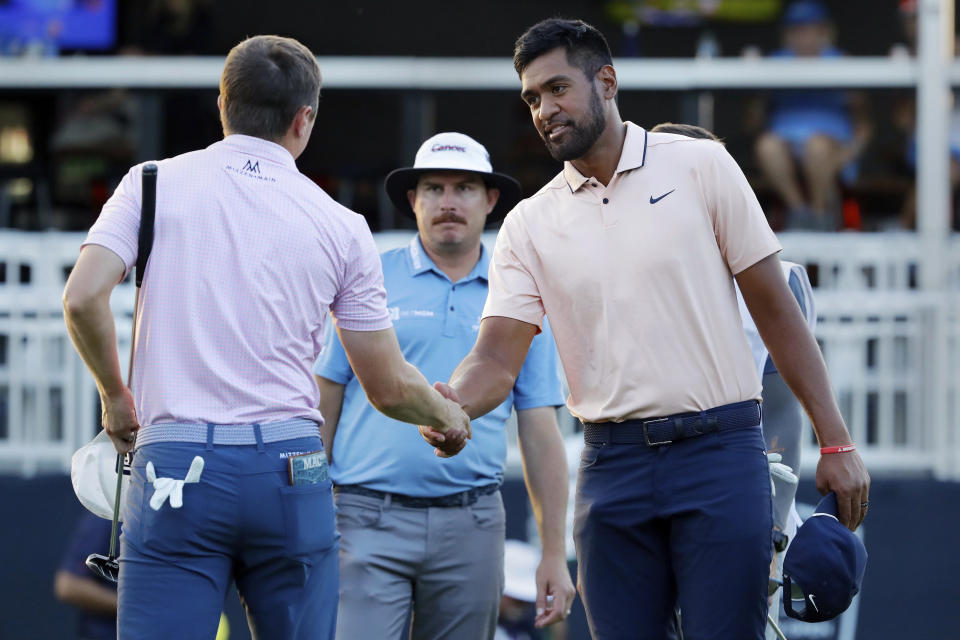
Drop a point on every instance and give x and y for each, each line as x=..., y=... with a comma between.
x=145, y=244
x=775, y=628
x=116, y=498
x=116, y=508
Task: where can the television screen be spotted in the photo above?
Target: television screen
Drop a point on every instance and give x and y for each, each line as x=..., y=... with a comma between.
x=43, y=27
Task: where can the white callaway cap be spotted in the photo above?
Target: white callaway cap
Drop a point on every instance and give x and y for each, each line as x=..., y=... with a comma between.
x=452, y=151
x=93, y=471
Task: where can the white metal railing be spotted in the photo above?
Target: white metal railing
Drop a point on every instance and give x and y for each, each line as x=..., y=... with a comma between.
x=429, y=73
x=875, y=332
x=875, y=327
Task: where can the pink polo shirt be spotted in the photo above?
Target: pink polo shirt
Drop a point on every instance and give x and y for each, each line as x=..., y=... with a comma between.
x=248, y=257
x=636, y=277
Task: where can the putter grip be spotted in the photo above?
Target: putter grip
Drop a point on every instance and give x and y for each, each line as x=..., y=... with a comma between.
x=148, y=212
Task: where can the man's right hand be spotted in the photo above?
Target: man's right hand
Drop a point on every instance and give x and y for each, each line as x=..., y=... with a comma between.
x=119, y=419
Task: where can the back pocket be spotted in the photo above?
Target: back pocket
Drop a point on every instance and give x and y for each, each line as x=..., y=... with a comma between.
x=169, y=530
x=308, y=514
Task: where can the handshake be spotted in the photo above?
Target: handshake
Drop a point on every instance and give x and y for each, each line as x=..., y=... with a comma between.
x=450, y=437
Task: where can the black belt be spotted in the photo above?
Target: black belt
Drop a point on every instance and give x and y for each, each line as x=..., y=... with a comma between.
x=658, y=431
x=462, y=499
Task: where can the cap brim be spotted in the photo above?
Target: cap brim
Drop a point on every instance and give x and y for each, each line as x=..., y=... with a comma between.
x=399, y=181
x=828, y=504
x=93, y=473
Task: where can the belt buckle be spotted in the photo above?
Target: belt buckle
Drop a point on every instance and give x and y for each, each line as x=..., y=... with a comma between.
x=646, y=433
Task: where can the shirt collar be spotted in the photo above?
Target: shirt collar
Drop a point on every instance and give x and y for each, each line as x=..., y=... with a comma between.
x=420, y=262
x=259, y=148
x=632, y=156
x=634, y=152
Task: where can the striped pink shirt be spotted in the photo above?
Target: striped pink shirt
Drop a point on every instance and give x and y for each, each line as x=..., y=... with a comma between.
x=248, y=257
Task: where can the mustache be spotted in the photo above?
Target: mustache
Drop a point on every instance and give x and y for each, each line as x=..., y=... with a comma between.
x=449, y=217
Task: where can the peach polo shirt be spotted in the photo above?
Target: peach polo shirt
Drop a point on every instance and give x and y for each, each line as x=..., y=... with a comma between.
x=636, y=277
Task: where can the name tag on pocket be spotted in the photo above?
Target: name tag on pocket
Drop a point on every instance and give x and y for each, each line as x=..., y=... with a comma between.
x=308, y=468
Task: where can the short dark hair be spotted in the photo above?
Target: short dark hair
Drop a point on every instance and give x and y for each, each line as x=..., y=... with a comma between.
x=265, y=80
x=585, y=46
x=689, y=130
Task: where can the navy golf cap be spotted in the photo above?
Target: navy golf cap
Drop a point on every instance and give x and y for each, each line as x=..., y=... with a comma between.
x=805, y=12
x=825, y=563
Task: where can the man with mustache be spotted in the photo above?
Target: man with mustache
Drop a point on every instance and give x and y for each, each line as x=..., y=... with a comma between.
x=398, y=505
x=631, y=251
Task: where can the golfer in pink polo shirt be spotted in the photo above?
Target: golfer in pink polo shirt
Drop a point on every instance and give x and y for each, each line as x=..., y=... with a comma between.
x=249, y=256
x=631, y=252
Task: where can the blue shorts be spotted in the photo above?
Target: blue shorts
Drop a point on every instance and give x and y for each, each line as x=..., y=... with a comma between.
x=681, y=525
x=242, y=521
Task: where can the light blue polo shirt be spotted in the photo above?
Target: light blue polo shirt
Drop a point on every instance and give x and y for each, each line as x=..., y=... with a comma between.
x=436, y=321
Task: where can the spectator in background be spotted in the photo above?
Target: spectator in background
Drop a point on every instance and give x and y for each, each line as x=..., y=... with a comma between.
x=94, y=598
x=175, y=28
x=98, y=134
x=394, y=498
x=816, y=135
x=908, y=23
x=905, y=118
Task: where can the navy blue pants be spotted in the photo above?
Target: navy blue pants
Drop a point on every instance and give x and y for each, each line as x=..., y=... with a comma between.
x=681, y=525
x=241, y=522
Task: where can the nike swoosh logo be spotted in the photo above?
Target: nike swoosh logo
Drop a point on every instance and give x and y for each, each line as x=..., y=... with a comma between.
x=656, y=200
x=813, y=603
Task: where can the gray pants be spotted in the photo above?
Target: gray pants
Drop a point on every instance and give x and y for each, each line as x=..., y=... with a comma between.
x=442, y=566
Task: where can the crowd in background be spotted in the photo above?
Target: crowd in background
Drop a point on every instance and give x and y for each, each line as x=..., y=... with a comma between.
x=819, y=159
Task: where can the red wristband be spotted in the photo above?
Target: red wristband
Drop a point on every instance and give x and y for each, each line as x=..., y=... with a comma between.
x=843, y=448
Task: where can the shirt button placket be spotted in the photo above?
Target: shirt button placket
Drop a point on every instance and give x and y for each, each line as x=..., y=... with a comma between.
x=450, y=314
x=607, y=214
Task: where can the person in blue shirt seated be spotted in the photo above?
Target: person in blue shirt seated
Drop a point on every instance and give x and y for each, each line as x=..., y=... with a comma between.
x=813, y=134
x=904, y=118
x=421, y=534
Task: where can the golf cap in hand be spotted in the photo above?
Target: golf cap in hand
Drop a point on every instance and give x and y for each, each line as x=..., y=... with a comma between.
x=93, y=471
x=824, y=566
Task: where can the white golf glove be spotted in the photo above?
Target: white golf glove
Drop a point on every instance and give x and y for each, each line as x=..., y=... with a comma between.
x=780, y=471
x=164, y=488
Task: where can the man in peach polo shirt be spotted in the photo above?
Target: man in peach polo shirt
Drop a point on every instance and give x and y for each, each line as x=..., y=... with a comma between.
x=631, y=251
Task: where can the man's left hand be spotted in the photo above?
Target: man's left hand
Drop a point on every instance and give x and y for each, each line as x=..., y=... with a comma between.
x=555, y=591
